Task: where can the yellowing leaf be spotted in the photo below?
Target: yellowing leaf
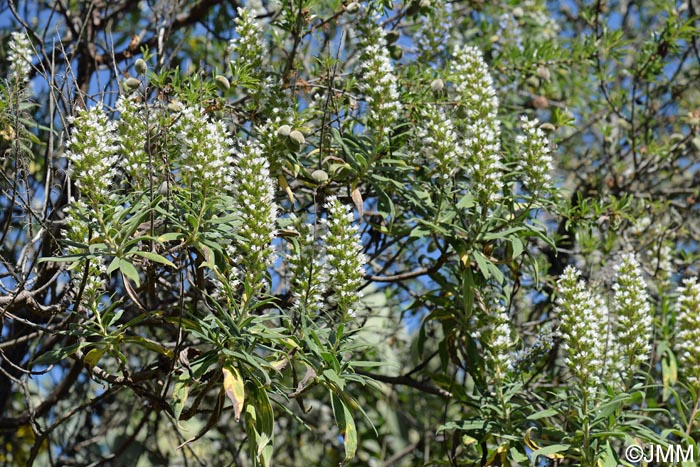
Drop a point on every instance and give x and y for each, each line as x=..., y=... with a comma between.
x=359, y=202
x=235, y=389
x=93, y=357
x=285, y=186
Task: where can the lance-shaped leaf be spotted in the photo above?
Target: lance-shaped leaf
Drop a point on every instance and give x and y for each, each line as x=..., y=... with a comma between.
x=235, y=389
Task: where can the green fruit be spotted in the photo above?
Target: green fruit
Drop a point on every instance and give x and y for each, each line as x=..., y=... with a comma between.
x=284, y=130
x=319, y=176
x=132, y=83
x=297, y=137
x=222, y=83
x=437, y=85
x=141, y=66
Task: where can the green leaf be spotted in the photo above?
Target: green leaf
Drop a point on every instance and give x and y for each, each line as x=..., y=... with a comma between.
x=129, y=271
x=346, y=424
x=181, y=391
x=550, y=451
x=543, y=414
x=169, y=237
x=466, y=202
x=113, y=266
x=483, y=264
x=155, y=257
x=608, y=457
x=92, y=358
x=334, y=377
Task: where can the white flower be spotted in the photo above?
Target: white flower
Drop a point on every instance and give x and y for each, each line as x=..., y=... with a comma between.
x=499, y=355
x=437, y=142
x=688, y=324
x=204, y=150
x=584, y=326
x=378, y=84
x=254, y=193
x=343, y=258
x=20, y=57
x=434, y=33
x=306, y=272
x=477, y=98
x=535, y=161
x=633, y=320
x=93, y=153
x=132, y=140
x=248, y=47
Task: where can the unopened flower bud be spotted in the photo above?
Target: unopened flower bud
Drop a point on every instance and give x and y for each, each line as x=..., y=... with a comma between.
x=222, y=83
x=353, y=7
x=141, y=66
x=424, y=3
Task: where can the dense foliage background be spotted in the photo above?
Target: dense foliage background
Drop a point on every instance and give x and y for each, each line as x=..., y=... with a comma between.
x=323, y=232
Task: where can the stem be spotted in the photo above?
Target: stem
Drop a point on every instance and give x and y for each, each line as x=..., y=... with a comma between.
x=693, y=414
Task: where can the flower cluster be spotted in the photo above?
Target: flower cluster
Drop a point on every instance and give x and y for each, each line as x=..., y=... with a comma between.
x=499, y=355
x=433, y=34
x=132, y=131
x=254, y=193
x=379, y=84
x=20, y=57
x=305, y=269
x=688, y=324
x=537, y=15
x=437, y=142
x=544, y=342
x=508, y=32
x=248, y=47
x=633, y=320
x=583, y=326
x=205, y=150
x=477, y=98
x=536, y=160
x=93, y=152
x=343, y=260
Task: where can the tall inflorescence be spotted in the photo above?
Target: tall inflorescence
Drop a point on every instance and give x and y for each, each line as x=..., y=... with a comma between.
x=204, y=148
x=688, y=336
x=132, y=140
x=434, y=33
x=437, y=142
x=253, y=191
x=583, y=326
x=632, y=323
x=248, y=49
x=20, y=57
x=477, y=99
x=94, y=160
x=306, y=272
x=93, y=153
x=535, y=163
x=343, y=258
x=378, y=82
x=499, y=351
